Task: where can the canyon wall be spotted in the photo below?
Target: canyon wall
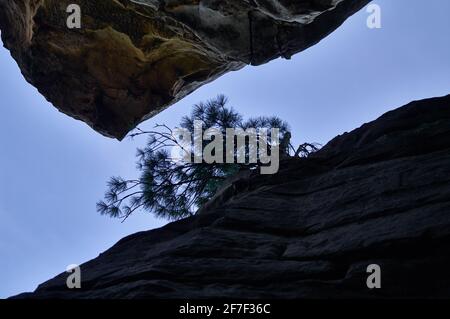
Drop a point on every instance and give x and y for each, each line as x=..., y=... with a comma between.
x=377, y=195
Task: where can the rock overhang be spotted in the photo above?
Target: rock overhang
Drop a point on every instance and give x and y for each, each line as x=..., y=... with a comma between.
x=131, y=59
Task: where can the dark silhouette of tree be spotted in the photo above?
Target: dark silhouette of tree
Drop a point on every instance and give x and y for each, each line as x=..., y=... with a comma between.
x=172, y=189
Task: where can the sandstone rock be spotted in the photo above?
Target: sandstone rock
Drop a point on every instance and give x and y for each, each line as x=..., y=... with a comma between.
x=133, y=58
x=380, y=194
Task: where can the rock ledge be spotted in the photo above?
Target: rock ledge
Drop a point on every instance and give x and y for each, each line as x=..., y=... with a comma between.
x=378, y=195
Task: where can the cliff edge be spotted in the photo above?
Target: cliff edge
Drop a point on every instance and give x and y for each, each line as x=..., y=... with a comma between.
x=377, y=195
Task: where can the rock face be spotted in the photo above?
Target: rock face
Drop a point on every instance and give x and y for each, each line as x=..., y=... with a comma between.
x=378, y=195
x=133, y=58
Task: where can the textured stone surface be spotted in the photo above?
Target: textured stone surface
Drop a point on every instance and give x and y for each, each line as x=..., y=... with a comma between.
x=132, y=59
x=380, y=194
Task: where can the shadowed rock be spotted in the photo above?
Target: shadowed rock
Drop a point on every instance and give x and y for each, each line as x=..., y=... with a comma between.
x=132, y=59
x=377, y=195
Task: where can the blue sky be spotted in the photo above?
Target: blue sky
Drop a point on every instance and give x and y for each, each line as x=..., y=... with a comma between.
x=53, y=169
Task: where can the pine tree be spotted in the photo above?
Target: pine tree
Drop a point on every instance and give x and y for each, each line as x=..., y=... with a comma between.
x=172, y=189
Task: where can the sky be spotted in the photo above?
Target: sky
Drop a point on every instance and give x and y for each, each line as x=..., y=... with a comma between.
x=53, y=169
